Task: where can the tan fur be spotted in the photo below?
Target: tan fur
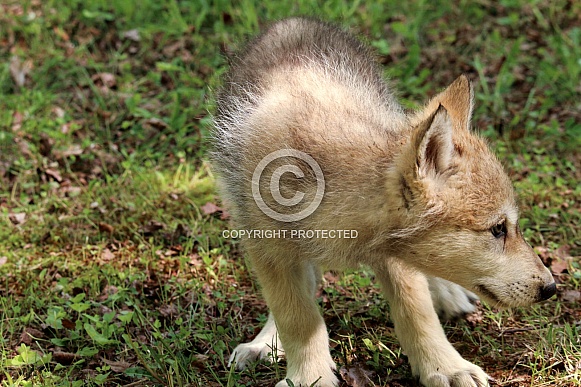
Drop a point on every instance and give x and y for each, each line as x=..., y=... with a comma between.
x=421, y=190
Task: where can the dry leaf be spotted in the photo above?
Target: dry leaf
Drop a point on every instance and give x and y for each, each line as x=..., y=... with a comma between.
x=132, y=35
x=61, y=33
x=64, y=358
x=30, y=335
x=356, y=376
x=117, y=366
x=107, y=255
x=104, y=81
x=154, y=123
x=19, y=70
x=59, y=112
x=17, y=217
x=54, y=174
x=210, y=208
x=200, y=361
x=105, y=227
x=151, y=228
x=571, y=295
x=195, y=259
x=3, y=260
x=73, y=150
x=68, y=324
x=168, y=310
x=559, y=266
x=17, y=118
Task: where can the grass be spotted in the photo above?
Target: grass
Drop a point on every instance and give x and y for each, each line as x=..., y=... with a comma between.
x=113, y=268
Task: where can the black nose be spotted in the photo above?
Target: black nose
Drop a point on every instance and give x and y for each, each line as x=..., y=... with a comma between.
x=548, y=291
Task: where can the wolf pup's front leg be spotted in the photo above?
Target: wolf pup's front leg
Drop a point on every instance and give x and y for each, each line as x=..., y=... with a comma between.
x=433, y=359
x=289, y=290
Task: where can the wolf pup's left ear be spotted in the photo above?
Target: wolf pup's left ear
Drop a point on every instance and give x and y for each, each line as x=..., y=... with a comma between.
x=458, y=99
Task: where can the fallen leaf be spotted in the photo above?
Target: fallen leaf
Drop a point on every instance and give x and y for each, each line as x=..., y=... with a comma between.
x=154, y=123
x=61, y=33
x=54, y=174
x=17, y=119
x=3, y=260
x=210, y=208
x=570, y=295
x=64, y=358
x=107, y=255
x=132, y=35
x=30, y=335
x=559, y=266
x=19, y=70
x=168, y=310
x=356, y=376
x=73, y=150
x=151, y=228
x=181, y=231
x=170, y=49
x=109, y=290
x=563, y=252
x=68, y=324
x=17, y=217
x=195, y=259
x=104, y=81
x=105, y=227
x=117, y=366
x=72, y=191
x=200, y=361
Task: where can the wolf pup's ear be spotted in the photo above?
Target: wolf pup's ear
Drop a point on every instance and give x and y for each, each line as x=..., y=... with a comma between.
x=434, y=145
x=458, y=99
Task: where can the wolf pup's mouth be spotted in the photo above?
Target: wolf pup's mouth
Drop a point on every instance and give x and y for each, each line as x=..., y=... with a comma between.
x=487, y=293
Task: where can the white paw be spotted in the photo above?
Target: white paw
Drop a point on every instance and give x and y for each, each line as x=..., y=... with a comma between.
x=465, y=374
x=249, y=352
x=451, y=300
x=328, y=381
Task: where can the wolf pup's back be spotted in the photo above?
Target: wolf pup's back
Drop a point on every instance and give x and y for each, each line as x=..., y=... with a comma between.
x=305, y=85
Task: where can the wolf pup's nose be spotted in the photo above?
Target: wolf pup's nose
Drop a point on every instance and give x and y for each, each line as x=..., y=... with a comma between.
x=548, y=291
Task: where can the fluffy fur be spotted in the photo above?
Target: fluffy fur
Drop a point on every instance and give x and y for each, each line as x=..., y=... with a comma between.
x=422, y=191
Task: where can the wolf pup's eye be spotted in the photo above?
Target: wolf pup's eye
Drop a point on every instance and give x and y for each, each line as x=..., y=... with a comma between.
x=499, y=230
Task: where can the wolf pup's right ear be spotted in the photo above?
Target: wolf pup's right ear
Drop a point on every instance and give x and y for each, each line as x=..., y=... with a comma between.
x=434, y=146
x=448, y=112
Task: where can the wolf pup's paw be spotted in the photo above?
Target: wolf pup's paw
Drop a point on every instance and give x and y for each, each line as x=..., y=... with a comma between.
x=451, y=300
x=246, y=353
x=328, y=381
x=466, y=375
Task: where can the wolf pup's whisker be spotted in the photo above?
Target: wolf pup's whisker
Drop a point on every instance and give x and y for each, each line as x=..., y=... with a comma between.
x=427, y=200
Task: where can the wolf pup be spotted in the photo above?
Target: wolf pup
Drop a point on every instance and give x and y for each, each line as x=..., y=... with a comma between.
x=322, y=167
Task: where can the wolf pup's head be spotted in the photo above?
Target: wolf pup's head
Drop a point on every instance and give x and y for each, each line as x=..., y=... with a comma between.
x=454, y=185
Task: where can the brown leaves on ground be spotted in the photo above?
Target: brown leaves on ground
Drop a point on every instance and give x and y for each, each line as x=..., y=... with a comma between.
x=30, y=335
x=19, y=70
x=104, y=82
x=117, y=366
x=17, y=218
x=211, y=209
x=356, y=376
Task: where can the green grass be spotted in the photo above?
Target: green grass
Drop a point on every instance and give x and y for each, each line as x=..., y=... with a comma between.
x=113, y=271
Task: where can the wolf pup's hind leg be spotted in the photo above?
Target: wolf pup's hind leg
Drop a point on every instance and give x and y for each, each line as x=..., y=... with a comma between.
x=265, y=346
x=451, y=300
x=289, y=286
